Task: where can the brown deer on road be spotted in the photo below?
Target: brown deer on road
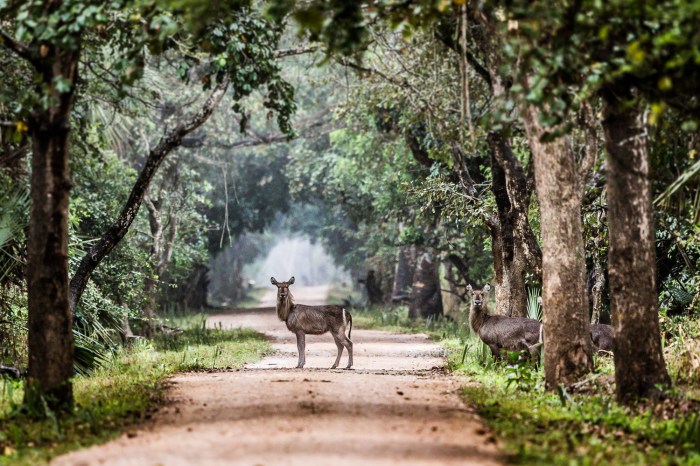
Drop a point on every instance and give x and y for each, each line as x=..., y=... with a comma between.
x=313, y=320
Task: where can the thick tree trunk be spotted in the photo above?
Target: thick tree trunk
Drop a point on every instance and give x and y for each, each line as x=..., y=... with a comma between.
x=426, y=297
x=639, y=362
x=50, y=318
x=568, y=351
x=516, y=188
x=374, y=291
x=403, y=276
x=118, y=229
x=508, y=260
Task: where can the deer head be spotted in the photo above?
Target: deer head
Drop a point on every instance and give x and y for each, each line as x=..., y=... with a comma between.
x=478, y=296
x=282, y=287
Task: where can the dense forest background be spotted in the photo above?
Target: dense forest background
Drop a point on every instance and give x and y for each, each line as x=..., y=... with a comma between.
x=152, y=153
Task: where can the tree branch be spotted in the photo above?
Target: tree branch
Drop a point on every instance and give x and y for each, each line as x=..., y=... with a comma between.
x=114, y=234
x=590, y=152
x=20, y=49
x=297, y=51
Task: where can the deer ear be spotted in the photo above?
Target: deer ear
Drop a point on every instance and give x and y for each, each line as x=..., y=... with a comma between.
x=469, y=288
x=487, y=288
x=272, y=279
x=291, y=281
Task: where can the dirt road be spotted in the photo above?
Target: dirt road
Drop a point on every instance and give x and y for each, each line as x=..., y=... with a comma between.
x=396, y=407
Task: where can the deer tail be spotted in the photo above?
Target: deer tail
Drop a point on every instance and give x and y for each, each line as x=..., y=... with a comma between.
x=347, y=320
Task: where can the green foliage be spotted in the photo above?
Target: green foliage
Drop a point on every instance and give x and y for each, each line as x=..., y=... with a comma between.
x=521, y=373
x=534, y=308
x=599, y=45
x=538, y=429
x=122, y=392
x=14, y=205
x=575, y=427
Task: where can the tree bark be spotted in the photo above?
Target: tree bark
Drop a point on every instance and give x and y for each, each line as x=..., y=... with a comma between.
x=118, y=229
x=598, y=282
x=426, y=296
x=374, y=291
x=403, y=276
x=508, y=260
x=639, y=362
x=568, y=351
x=518, y=193
x=50, y=320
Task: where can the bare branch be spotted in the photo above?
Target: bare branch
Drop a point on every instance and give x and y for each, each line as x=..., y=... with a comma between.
x=18, y=47
x=297, y=51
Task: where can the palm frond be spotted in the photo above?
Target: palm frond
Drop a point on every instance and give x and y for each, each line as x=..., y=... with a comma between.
x=534, y=309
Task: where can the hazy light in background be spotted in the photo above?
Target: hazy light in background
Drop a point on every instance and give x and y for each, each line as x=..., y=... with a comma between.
x=297, y=256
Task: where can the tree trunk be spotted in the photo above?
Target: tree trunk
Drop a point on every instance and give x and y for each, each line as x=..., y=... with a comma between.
x=374, y=291
x=568, y=351
x=598, y=282
x=149, y=291
x=50, y=319
x=508, y=260
x=403, y=278
x=426, y=297
x=196, y=287
x=639, y=362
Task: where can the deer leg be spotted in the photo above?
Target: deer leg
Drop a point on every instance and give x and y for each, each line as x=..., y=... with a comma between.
x=495, y=351
x=340, y=350
x=348, y=344
x=301, y=347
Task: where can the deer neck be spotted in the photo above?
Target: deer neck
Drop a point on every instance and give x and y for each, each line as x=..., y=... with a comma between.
x=284, y=307
x=477, y=316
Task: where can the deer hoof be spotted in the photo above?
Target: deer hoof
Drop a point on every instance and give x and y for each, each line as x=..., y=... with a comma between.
x=334, y=366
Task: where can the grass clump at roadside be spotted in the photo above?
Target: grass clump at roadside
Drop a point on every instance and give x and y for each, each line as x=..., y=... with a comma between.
x=582, y=425
x=395, y=319
x=575, y=426
x=121, y=393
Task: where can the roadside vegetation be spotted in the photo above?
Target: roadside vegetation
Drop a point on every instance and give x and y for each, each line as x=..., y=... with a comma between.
x=123, y=391
x=150, y=151
x=580, y=424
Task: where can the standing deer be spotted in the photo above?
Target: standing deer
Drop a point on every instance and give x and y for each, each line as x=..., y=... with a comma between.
x=313, y=320
x=501, y=332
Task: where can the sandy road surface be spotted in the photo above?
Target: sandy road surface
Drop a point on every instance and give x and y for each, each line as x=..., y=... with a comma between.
x=396, y=407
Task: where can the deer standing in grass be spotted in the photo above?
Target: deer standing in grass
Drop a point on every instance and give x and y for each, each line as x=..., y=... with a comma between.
x=313, y=320
x=501, y=332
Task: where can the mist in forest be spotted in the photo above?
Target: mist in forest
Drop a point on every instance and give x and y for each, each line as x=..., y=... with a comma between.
x=297, y=256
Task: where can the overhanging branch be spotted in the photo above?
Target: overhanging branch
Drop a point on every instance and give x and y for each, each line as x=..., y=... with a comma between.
x=114, y=234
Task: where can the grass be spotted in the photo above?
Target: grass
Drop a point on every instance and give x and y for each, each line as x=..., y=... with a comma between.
x=395, y=319
x=122, y=393
x=252, y=298
x=538, y=427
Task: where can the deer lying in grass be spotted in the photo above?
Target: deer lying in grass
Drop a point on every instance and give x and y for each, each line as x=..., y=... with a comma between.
x=501, y=332
x=313, y=320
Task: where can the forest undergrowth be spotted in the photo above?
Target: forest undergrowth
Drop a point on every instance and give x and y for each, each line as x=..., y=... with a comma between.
x=123, y=392
x=576, y=425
